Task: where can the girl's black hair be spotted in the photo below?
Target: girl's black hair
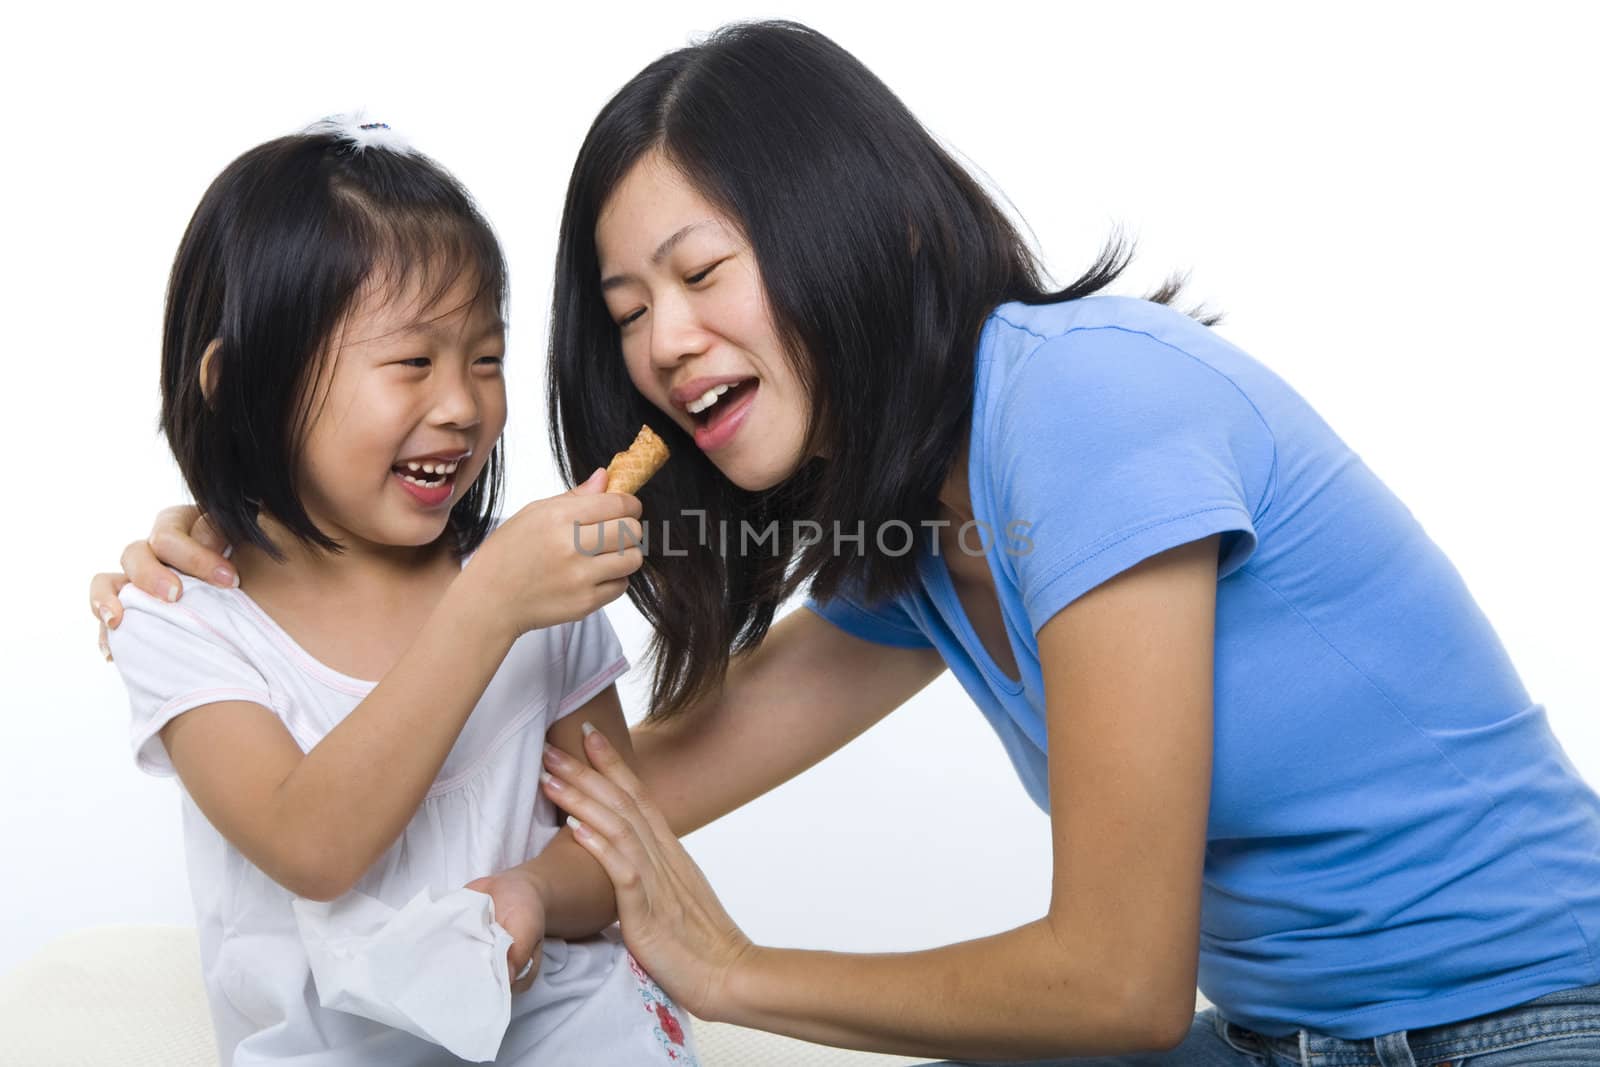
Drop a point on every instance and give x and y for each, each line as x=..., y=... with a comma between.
x=273, y=258
x=880, y=256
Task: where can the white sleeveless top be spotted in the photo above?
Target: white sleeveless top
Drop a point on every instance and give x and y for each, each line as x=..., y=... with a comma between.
x=484, y=813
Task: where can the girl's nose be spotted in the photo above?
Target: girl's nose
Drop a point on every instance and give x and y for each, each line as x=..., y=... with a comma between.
x=456, y=403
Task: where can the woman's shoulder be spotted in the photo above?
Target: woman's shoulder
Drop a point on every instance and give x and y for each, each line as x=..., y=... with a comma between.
x=1102, y=379
x=1087, y=350
x=1014, y=331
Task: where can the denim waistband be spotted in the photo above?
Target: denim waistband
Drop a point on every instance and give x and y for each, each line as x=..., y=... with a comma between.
x=1566, y=1013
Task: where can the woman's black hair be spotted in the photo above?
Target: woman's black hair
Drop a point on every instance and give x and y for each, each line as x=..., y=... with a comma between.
x=274, y=257
x=881, y=257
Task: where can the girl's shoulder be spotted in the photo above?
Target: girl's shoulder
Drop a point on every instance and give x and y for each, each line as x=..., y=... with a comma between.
x=217, y=615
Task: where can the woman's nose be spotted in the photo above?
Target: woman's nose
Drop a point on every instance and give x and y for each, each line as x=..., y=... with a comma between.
x=675, y=331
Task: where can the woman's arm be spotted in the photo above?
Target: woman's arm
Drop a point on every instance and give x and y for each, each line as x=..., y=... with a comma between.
x=1109, y=969
x=809, y=689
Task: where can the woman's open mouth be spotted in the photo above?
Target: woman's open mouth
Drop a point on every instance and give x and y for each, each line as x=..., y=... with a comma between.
x=715, y=424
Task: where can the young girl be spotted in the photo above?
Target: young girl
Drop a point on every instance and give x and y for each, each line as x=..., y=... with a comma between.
x=370, y=716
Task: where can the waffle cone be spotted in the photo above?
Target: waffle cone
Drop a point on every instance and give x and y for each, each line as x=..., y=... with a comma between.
x=629, y=470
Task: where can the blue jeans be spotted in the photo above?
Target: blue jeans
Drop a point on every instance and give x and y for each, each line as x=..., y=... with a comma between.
x=1556, y=1030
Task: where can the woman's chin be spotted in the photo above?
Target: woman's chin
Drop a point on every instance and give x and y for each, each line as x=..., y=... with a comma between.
x=757, y=478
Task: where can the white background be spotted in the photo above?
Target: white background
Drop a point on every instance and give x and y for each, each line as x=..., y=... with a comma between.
x=1394, y=205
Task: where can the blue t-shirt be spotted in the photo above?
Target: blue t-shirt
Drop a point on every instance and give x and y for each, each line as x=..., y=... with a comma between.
x=1396, y=838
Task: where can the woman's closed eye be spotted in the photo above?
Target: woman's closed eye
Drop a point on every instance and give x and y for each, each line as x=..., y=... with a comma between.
x=700, y=276
x=693, y=279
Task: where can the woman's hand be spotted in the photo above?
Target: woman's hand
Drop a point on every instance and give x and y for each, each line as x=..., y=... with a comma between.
x=181, y=538
x=519, y=909
x=671, y=920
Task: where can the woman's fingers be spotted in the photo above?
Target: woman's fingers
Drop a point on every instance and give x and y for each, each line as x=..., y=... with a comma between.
x=584, y=793
x=607, y=788
x=623, y=872
x=609, y=762
x=103, y=602
x=103, y=589
x=207, y=535
x=671, y=919
x=185, y=540
x=606, y=820
x=145, y=571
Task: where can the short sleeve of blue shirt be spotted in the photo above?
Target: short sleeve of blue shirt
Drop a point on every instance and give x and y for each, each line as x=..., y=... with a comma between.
x=1099, y=439
x=1110, y=446
x=886, y=623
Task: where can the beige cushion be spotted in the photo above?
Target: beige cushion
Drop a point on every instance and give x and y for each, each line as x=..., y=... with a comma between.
x=131, y=996
x=127, y=995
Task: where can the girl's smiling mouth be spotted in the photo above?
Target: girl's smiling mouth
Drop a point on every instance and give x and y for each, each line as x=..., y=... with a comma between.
x=430, y=480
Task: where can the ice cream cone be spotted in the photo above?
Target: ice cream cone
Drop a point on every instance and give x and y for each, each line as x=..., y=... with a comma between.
x=631, y=469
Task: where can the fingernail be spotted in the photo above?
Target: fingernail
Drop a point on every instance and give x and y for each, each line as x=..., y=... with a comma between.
x=105, y=650
x=172, y=594
x=226, y=577
x=105, y=614
x=549, y=779
x=555, y=755
x=589, y=731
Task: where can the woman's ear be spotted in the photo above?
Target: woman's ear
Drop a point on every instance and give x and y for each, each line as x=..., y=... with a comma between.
x=210, y=369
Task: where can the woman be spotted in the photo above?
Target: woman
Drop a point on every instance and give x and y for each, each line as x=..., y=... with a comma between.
x=1288, y=757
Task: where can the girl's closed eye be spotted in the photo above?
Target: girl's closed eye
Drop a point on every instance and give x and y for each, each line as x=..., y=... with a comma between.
x=423, y=362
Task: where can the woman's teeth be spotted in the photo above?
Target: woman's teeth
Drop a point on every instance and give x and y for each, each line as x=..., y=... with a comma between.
x=709, y=397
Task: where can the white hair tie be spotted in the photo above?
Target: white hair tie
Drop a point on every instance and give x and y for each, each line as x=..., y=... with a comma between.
x=362, y=135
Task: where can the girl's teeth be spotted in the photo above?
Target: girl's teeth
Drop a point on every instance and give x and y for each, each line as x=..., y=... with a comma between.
x=428, y=475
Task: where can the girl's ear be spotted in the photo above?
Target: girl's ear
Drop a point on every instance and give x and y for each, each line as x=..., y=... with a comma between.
x=209, y=370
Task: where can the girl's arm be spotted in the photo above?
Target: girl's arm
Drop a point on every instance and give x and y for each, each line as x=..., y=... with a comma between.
x=809, y=683
x=577, y=895
x=315, y=821
x=1109, y=969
